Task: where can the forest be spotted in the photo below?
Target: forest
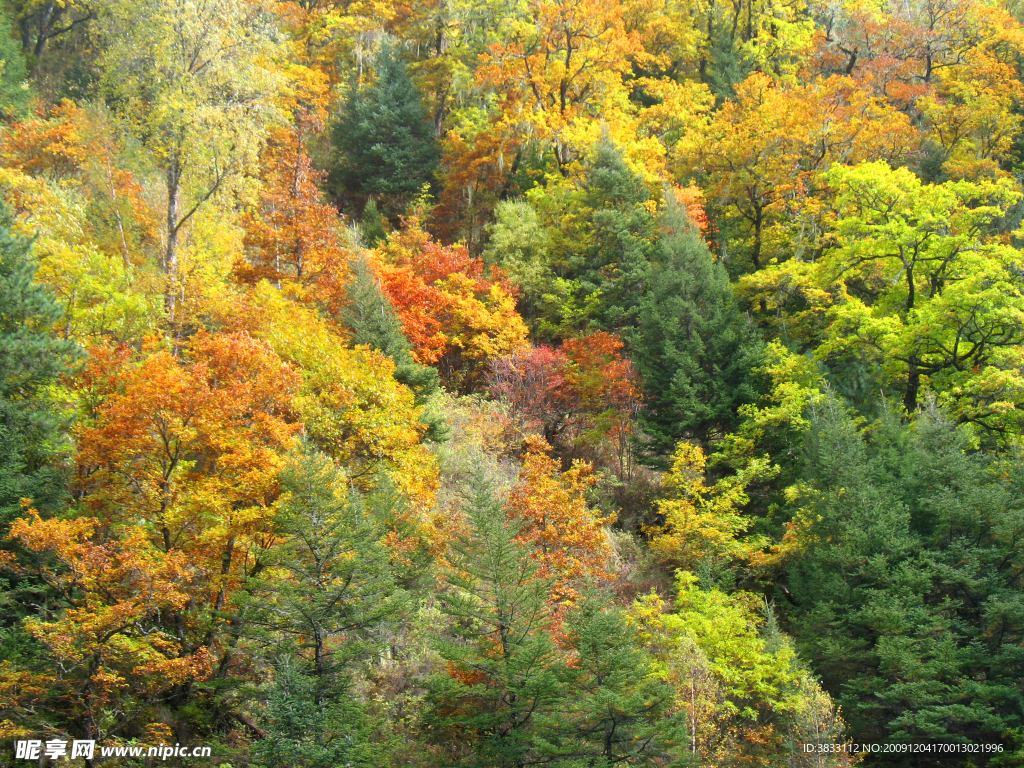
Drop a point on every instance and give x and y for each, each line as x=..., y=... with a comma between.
x=507, y=383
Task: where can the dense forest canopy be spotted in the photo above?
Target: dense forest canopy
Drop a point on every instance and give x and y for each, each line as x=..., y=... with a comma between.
x=500, y=383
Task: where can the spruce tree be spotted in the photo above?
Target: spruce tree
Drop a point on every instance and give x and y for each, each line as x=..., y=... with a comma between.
x=374, y=322
x=692, y=346
x=905, y=596
x=32, y=359
x=372, y=224
x=505, y=670
x=384, y=142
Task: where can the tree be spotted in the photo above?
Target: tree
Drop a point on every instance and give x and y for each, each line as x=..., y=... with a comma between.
x=906, y=595
x=310, y=726
x=32, y=359
x=567, y=538
x=504, y=666
x=14, y=92
x=918, y=282
x=693, y=348
x=605, y=233
x=704, y=526
x=384, y=142
x=374, y=322
x=193, y=81
x=617, y=709
x=334, y=595
x=294, y=235
x=457, y=316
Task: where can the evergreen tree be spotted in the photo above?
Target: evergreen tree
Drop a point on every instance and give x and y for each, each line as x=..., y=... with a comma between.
x=692, y=346
x=339, y=584
x=907, y=599
x=505, y=670
x=372, y=223
x=14, y=91
x=375, y=323
x=32, y=359
x=615, y=709
x=604, y=246
x=313, y=723
x=384, y=142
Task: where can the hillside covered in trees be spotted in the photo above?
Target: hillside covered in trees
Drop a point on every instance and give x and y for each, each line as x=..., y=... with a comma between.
x=501, y=383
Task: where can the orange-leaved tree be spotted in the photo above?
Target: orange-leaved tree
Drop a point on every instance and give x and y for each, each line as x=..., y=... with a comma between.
x=568, y=538
x=456, y=316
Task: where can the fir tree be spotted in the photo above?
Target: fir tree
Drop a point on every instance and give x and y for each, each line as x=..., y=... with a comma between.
x=375, y=323
x=693, y=348
x=32, y=359
x=372, y=223
x=504, y=667
x=384, y=142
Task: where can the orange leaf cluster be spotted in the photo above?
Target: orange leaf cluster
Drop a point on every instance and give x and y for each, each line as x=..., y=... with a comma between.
x=454, y=315
x=568, y=539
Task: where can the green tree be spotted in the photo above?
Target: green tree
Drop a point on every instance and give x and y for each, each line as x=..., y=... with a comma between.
x=694, y=349
x=504, y=667
x=374, y=322
x=32, y=359
x=603, y=242
x=384, y=142
x=616, y=709
x=372, y=223
x=906, y=584
x=313, y=723
x=14, y=91
x=332, y=583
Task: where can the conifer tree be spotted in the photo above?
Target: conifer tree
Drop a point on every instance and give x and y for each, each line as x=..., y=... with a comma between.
x=692, y=346
x=374, y=322
x=31, y=360
x=906, y=597
x=384, y=142
x=333, y=595
x=338, y=582
x=504, y=667
x=616, y=709
x=604, y=247
x=312, y=724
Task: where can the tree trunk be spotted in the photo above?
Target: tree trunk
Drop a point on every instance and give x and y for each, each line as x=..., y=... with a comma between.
x=913, y=386
x=171, y=254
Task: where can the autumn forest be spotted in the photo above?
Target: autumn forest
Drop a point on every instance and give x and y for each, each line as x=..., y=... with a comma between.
x=506, y=383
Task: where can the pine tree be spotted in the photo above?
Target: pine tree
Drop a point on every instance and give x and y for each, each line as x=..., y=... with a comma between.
x=32, y=359
x=374, y=322
x=504, y=667
x=384, y=142
x=616, y=709
x=693, y=348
